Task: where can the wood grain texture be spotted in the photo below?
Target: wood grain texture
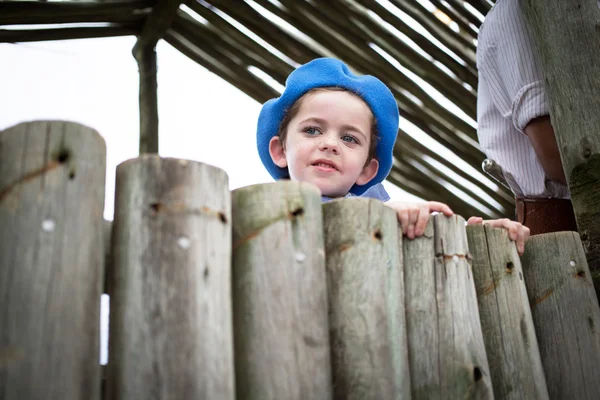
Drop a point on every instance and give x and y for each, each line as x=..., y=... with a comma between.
x=566, y=35
x=565, y=314
x=170, y=282
x=445, y=343
x=51, y=260
x=148, y=96
x=506, y=322
x=279, y=293
x=365, y=284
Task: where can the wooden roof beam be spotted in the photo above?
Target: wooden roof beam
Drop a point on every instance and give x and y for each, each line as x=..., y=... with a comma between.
x=27, y=12
x=157, y=23
x=39, y=35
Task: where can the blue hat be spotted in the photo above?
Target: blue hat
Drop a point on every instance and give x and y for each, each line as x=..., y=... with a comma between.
x=329, y=72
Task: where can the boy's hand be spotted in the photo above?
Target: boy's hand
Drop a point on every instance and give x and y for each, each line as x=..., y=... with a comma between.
x=413, y=217
x=516, y=232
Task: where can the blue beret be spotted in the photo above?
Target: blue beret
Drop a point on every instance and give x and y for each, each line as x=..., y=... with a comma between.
x=329, y=72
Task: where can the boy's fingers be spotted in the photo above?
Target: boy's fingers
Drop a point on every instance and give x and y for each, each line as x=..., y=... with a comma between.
x=522, y=239
x=475, y=221
x=422, y=219
x=520, y=242
x=440, y=207
x=403, y=218
x=413, y=215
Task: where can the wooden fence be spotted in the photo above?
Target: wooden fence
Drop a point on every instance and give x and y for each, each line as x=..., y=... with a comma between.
x=265, y=293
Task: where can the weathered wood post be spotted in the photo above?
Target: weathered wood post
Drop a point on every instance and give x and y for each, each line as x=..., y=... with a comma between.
x=565, y=314
x=445, y=343
x=51, y=260
x=366, y=301
x=508, y=332
x=566, y=35
x=170, y=317
x=279, y=293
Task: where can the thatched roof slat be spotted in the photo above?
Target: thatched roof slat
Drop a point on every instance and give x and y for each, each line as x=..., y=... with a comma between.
x=224, y=57
x=214, y=63
x=445, y=137
x=483, y=6
x=461, y=10
x=266, y=30
x=228, y=32
x=413, y=60
x=204, y=37
x=425, y=177
x=462, y=23
x=156, y=25
x=38, y=35
x=411, y=159
x=408, y=144
x=400, y=178
x=454, y=41
x=24, y=13
x=349, y=48
x=466, y=73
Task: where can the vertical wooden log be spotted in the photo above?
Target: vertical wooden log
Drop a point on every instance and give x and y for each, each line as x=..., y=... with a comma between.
x=51, y=260
x=107, y=233
x=566, y=35
x=146, y=60
x=508, y=332
x=365, y=284
x=565, y=314
x=445, y=343
x=170, y=317
x=279, y=293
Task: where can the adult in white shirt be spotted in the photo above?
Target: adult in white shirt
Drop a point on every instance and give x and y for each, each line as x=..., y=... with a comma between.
x=514, y=125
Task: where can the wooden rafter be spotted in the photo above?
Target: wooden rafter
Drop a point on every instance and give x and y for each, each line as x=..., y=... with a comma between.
x=156, y=24
x=27, y=12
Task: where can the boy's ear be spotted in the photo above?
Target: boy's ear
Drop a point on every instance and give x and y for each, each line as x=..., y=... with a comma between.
x=368, y=172
x=277, y=152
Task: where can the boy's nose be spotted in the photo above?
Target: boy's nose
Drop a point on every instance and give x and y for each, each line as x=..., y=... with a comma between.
x=329, y=143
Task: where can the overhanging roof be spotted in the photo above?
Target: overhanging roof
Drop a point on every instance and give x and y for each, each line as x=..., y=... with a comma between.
x=424, y=50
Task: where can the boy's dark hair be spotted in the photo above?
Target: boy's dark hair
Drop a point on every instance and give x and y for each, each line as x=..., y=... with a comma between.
x=293, y=111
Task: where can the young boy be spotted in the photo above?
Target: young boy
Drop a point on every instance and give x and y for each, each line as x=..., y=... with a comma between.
x=337, y=131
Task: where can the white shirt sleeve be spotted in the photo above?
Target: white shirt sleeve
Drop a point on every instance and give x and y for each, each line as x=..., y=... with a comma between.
x=511, y=93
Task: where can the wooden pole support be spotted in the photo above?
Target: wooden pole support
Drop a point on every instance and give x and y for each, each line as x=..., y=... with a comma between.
x=565, y=313
x=170, y=320
x=366, y=301
x=566, y=35
x=148, y=96
x=51, y=260
x=506, y=322
x=445, y=343
x=279, y=293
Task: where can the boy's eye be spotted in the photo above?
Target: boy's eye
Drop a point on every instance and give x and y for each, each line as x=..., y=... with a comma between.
x=311, y=130
x=349, y=139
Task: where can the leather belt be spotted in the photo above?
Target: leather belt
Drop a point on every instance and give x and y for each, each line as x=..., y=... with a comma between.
x=546, y=215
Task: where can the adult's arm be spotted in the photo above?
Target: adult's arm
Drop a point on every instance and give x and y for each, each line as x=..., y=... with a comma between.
x=541, y=134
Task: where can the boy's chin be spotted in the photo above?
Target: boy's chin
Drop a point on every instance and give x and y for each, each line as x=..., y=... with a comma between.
x=333, y=194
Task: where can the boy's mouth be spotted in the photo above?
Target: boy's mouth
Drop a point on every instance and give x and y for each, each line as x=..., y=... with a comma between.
x=325, y=165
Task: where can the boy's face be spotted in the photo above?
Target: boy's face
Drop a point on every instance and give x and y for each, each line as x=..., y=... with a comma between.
x=327, y=143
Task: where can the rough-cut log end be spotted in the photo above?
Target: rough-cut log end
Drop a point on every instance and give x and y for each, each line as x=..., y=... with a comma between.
x=506, y=322
x=51, y=259
x=170, y=323
x=565, y=314
x=279, y=293
x=446, y=350
x=366, y=300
